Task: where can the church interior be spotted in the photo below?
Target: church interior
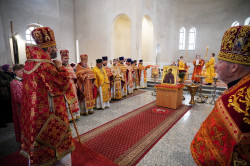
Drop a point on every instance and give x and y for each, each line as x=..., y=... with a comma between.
x=157, y=32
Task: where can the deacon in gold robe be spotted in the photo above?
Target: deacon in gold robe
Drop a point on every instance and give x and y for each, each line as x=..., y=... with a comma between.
x=210, y=70
x=116, y=89
x=65, y=62
x=109, y=73
x=130, y=76
x=136, y=79
x=86, y=86
x=123, y=69
x=142, y=74
x=102, y=83
x=224, y=137
x=182, y=68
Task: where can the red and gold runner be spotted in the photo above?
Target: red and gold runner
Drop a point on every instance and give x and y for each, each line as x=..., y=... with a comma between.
x=127, y=139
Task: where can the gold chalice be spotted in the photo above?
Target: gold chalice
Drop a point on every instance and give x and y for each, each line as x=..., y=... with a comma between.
x=192, y=90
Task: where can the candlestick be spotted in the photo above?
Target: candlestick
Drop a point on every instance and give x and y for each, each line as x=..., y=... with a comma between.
x=206, y=53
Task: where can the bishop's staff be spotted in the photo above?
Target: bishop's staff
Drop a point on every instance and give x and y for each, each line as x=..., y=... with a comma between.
x=14, y=43
x=68, y=105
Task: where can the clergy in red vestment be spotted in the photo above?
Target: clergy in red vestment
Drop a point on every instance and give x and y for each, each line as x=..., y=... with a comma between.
x=16, y=87
x=224, y=137
x=87, y=90
x=45, y=131
x=73, y=79
x=198, y=65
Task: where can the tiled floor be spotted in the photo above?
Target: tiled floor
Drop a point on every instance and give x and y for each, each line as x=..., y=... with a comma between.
x=172, y=149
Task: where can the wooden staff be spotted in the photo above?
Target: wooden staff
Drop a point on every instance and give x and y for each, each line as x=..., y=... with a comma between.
x=75, y=126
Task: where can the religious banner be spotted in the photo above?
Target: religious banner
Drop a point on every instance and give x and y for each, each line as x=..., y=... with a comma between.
x=155, y=71
x=169, y=75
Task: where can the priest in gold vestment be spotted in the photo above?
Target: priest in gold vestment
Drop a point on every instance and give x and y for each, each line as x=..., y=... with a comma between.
x=86, y=86
x=224, y=137
x=136, y=79
x=130, y=76
x=142, y=74
x=102, y=83
x=210, y=70
x=109, y=73
x=116, y=88
x=182, y=68
x=123, y=69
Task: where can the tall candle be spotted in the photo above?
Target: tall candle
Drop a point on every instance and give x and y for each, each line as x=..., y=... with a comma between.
x=186, y=53
x=206, y=52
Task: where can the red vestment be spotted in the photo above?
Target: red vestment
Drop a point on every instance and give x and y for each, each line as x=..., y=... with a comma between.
x=224, y=137
x=45, y=130
x=197, y=70
x=74, y=106
x=16, y=87
x=87, y=88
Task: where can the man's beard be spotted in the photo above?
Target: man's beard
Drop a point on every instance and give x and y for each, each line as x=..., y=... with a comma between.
x=65, y=64
x=53, y=54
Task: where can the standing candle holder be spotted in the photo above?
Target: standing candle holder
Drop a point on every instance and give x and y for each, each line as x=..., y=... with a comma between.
x=200, y=98
x=155, y=76
x=214, y=91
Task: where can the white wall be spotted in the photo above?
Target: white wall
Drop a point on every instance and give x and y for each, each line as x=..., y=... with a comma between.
x=56, y=14
x=94, y=23
x=211, y=19
x=90, y=22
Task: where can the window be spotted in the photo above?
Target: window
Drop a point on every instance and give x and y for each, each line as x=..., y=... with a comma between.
x=30, y=28
x=192, y=36
x=235, y=23
x=247, y=22
x=182, y=39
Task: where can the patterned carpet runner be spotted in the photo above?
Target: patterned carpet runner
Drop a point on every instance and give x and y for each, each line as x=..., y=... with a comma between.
x=128, y=138
x=80, y=157
x=122, y=141
x=136, y=92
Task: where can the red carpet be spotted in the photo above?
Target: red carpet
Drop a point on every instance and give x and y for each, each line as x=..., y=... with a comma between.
x=136, y=92
x=85, y=157
x=14, y=159
x=128, y=138
x=122, y=141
